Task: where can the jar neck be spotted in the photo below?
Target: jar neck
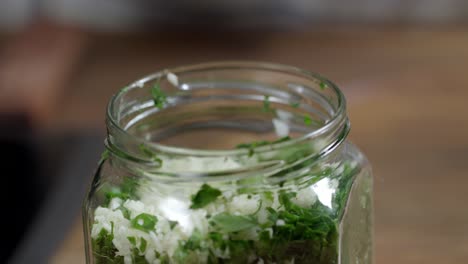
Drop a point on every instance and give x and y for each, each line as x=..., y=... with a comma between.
x=301, y=113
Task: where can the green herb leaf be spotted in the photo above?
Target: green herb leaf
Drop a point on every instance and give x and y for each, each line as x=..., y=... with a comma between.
x=143, y=245
x=261, y=143
x=149, y=153
x=126, y=190
x=204, y=196
x=323, y=85
x=180, y=254
x=159, y=97
x=249, y=184
x=252, y=145
x=268, y=196
x=344, y=187
x=125, y=212
x=104, y=249
x=172, y=224
x=266, y=103
x=194, y=241
x=132, y=240
x=294, y=104
x=307, y=120
x=233, y=223
x=144, y=222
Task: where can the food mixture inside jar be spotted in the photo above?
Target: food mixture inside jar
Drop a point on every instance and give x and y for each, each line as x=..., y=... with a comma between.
x=205, y=223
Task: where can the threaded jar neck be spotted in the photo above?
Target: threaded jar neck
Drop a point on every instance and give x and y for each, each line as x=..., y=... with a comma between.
x=202, y=112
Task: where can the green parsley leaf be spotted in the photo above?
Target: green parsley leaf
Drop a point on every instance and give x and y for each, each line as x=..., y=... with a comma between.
x=172, y=224
x=144, y=222
x=252, y=145
x=261, y=143
x=323, y=85
x=132, y=240
x=307, y=120
x=159, y=97
x=126, y=190
x=194, y=241
x=104, y=249
x=266, y=103
x=233, y=223
x=204, y=196
x=294, y=104
x=125, y=212
x=180, y=254
x=268, y=196
x=143, y=245
x=149, y=153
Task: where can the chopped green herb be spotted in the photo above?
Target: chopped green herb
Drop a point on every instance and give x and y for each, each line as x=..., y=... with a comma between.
x=307, y=120
x=233, y=223
x=159, y=97
x=260, y=203
x=137, y=258
x=104, y=249
x=249, y=184
x=294, y=104
x=180, y=254
x=268, y=196
x=266, y=103
x=194, y=241
x=204, y=196
x=144, y=222
x=172, y=224
x=143, y=245
x=125, y=212
x=255, y=144
x=132, y=240
x=344, y=187
x=125, y=191
x=252, y=145
x=149, y=153
x=289, y=231
x=323, y=85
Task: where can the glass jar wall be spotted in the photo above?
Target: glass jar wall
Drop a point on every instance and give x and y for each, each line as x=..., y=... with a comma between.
x=230, y=162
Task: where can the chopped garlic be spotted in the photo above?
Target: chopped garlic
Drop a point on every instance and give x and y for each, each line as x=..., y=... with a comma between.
x=305, y=197
x=280, y=222
x=173, y=79
x=281, y=127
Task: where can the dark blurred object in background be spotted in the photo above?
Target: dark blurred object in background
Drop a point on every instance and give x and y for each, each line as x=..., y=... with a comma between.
x=22, y=186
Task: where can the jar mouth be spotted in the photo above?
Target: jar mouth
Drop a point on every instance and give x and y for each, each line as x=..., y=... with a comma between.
x=337, y=107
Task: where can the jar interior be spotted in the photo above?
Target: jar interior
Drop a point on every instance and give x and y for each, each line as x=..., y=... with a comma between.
x=217, y=108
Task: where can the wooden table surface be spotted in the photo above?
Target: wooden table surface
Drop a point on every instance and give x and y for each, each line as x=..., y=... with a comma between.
x=407, y=93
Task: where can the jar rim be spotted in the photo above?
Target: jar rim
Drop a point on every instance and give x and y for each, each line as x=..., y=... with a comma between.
x=336, y=120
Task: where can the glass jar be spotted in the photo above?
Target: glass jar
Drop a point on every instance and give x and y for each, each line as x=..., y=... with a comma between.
x=229, y=162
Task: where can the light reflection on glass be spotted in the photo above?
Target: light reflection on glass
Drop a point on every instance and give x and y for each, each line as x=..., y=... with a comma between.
x=324, y=190
x=176, y=210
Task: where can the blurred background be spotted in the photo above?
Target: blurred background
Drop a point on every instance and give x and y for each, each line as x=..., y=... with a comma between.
x=401, y=64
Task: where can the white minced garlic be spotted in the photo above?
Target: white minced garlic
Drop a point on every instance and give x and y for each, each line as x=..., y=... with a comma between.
x=174, y=205
x=281, y=127
x=173, y=79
